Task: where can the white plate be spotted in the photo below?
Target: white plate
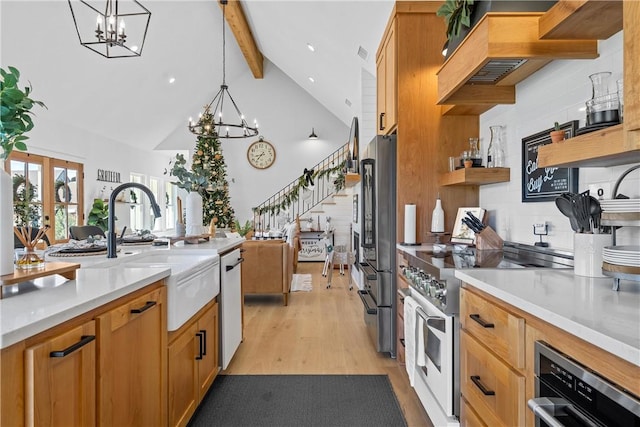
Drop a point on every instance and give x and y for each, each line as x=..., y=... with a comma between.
x=624, y=249
x=625, y=263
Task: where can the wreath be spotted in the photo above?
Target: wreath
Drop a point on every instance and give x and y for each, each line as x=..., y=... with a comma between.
x=25, y=208
x=66, y=192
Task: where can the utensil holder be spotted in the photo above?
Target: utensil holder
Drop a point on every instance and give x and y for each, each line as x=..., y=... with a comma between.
x=488, y=239
x=587, y=253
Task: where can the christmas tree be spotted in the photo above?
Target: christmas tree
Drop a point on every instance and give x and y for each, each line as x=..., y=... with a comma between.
x=208, y=161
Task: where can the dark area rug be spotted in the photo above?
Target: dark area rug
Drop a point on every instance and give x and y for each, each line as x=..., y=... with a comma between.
x=299, y=400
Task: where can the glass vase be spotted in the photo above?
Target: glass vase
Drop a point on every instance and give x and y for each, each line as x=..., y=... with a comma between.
x=29, y=259
x=600, y=84
x=495, y=151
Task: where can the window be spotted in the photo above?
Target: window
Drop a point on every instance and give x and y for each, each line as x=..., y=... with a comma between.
x=138, y=202
x=46, y=191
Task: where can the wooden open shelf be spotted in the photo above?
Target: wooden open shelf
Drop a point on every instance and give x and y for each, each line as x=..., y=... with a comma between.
x=351, y=179
x=581, y=19
x=65, y=269
x=496, y=38
x=601, y=148
x=475, y=176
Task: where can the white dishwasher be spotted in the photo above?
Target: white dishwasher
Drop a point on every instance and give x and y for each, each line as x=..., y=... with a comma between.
x=230, y=305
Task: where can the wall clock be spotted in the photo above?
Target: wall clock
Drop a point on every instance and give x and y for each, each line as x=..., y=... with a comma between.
x=261, y=154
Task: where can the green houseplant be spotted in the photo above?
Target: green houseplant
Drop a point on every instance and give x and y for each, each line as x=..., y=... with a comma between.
x=99, y=215
x=15, y=112
x=15, y=121
x=456, y=13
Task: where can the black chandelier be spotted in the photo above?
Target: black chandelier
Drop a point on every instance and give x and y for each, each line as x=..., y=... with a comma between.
x=210, y=121
x=111, y=28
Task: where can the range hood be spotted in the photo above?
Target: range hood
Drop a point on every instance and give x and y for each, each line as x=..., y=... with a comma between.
x=502, y=49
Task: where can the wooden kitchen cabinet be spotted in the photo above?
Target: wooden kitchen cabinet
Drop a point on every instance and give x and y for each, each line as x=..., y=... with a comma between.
x=387, y=82
x=486, y=356
x=193, y=363
x=60, y=381
x=40, y=390
x=132, y=362
x=425, y=138
x=492, y=378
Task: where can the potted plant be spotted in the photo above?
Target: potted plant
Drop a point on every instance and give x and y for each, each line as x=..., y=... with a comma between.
x=243, y=230
x=99, y=215
x=15, y=121
x=557, y=134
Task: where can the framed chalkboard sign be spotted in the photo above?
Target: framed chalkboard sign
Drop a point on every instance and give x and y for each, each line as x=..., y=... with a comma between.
x=545, y=184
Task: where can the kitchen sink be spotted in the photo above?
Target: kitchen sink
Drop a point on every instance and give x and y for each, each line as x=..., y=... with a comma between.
x=194, y=280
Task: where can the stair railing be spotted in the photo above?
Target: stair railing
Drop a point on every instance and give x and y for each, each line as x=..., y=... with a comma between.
x=301, y=196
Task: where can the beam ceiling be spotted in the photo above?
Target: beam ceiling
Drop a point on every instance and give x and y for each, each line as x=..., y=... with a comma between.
x=238, y=22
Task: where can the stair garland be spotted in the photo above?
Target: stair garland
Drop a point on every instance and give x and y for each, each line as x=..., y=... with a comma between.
x=303, y=183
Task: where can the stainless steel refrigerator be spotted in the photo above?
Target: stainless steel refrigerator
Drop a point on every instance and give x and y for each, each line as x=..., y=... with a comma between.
x=378, y=241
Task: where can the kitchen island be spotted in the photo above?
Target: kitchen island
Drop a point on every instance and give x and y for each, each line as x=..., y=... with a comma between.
x=505, y=313
x=96, y=349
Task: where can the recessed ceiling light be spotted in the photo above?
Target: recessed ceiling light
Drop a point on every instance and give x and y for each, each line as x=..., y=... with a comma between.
x=311, y=47
x=312, y=80
x=172, y=80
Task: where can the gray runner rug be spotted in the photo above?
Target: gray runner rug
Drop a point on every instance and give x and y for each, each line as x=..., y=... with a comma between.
x=299, y=400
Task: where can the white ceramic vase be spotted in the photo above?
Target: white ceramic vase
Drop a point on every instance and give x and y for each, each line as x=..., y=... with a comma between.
x=194, y=214
x=6, y=222
x=587, y=253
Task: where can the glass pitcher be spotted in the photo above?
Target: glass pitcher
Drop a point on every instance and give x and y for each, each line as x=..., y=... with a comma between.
x=600, y=84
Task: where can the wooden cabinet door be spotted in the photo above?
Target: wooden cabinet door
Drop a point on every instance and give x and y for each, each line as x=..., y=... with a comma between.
x=380, y=93
x=183, y=377
x=207, y=340
x=390, y=77
x=631, y=14
x=132, y=362
x=386, y=84
x=60, y=380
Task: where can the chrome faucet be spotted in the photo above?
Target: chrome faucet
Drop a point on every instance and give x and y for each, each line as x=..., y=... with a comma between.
x=111, y=233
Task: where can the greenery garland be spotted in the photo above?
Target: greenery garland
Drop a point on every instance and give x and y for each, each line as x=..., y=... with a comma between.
x=303, y=183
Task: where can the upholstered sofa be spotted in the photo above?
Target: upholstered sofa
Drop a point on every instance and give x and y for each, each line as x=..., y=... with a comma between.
x=268, y=267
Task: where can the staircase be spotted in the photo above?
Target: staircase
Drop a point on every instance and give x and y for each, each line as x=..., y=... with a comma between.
x=304, y=194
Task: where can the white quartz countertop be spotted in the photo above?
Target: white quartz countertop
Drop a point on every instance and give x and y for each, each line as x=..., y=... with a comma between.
x=54, y=300
x=582, y=306
x=27, y=314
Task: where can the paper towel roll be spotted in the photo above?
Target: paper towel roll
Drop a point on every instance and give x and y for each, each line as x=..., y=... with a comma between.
x=409, y=224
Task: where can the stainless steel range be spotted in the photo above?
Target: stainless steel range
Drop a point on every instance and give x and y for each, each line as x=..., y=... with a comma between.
x=435, y=289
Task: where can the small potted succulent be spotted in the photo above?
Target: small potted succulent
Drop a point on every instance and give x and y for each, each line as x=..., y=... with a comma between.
x=557, y=134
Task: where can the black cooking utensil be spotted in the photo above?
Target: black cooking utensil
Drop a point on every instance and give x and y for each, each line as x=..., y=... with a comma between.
x=565, y=205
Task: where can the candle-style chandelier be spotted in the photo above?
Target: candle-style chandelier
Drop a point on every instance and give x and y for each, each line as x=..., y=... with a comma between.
x=210, y=121
x=111, y=28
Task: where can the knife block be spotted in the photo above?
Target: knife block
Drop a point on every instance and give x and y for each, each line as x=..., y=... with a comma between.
x=488, y=239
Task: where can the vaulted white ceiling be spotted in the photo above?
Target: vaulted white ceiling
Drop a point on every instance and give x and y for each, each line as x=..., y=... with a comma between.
x=131, y=100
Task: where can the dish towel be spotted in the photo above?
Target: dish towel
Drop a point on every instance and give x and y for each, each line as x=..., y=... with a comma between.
x=410, y=306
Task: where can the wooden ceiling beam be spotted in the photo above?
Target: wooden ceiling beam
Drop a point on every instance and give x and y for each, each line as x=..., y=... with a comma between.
x=237, y=21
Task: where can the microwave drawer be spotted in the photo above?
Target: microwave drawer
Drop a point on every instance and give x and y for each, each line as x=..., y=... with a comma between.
x=493, y=390
x=498, y=329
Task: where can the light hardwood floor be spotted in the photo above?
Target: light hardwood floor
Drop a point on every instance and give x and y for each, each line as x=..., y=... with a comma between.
x=319, y=332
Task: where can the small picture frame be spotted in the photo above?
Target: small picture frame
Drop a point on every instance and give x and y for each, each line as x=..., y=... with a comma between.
x=462, y=233
x=355, y=208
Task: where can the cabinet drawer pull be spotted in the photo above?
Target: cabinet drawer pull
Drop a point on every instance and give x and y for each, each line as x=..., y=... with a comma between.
x=145, y=307
x=482, y=323
x=204, y=342
x=200, y=345
x=381, y=118
x=483, y=389
x=84, y=340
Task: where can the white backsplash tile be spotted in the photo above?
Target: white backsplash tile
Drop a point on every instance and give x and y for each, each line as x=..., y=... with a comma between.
x=556, y=93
